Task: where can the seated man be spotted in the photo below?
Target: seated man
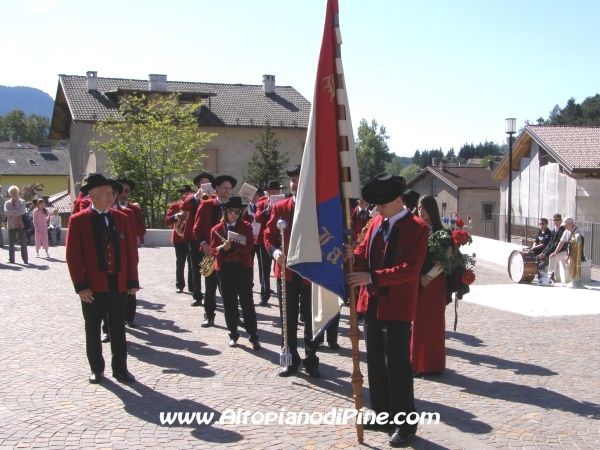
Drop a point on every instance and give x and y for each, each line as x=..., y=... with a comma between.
x=555, y=236
x=542, y=239
x=562, y=250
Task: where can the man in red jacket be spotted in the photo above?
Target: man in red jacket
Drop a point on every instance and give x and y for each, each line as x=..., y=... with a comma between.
x=103, y=267
x=179, y=243
x=298, y=289
x=209, y=214
x=387, y=267
x=190, y=207
x=263, y=213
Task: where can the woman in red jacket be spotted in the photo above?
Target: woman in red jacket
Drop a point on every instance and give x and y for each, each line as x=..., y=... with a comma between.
x=235, y=266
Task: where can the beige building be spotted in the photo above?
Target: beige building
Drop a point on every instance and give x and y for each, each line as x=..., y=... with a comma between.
x=464, y=191
x=235, y=112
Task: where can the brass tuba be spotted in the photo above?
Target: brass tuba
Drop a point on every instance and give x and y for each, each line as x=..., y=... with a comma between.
x=180, y=224
x=575, y=252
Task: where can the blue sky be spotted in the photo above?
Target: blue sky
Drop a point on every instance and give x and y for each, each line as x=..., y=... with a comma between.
x=435, y=73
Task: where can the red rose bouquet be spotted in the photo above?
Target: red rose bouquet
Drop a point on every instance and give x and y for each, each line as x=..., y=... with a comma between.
x=445, y=245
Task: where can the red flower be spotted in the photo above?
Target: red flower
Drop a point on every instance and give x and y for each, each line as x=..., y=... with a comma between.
x=468, y=277
x=460, y=237
x=460, y=223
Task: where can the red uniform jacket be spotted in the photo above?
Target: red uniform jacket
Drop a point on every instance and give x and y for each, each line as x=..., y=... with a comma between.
x=206, y=218
x=398, y=280
x=171, y=220
x=140, y=225
x=83, y=261
x=272, y=237
x=357, y=222
x=237, y=252
x=190, y=205
x=131, y=223
x=77, y=203
x=262, y=217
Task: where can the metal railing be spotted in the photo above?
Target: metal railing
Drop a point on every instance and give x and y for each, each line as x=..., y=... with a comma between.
x=525, y=229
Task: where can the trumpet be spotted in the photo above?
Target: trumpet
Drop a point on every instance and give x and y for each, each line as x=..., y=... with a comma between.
x=180, y=224
x=207, y=265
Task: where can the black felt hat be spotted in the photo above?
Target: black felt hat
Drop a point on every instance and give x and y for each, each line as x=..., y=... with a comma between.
x=221, y=178
x=384, y=189
x=198, y=177
x=411, y=198
x=125, y=180
x=273, y=184
x=95, y=180
x=235, y=201
x=295, y=170
x=185, y=188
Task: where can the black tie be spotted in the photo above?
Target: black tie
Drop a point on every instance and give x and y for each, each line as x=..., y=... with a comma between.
x=105, y=221
x=385, y=226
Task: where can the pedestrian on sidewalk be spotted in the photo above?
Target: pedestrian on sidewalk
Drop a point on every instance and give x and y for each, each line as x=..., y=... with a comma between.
x=41, y=217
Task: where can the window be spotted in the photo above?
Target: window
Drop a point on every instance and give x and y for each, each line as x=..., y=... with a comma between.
x=12, y=161
x=211, y=161
x=32, y=162
x=434, y=187
x=488, y=211
x=444, y=209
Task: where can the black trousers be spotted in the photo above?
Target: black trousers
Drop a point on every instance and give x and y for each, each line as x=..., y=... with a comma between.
x=237, y=280
x=210, y=294
x=12, y=236
x=182, y=253
x=195, y=257
x=112, y=305
x=298, y=296
x=331, y=331
x=264, y=272
x=131, y=307
x=388, y=361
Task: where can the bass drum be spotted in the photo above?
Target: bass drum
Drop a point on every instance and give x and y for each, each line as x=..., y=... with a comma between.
x=521, y=267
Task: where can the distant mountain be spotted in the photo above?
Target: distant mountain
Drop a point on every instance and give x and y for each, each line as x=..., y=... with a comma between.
x=29, y=100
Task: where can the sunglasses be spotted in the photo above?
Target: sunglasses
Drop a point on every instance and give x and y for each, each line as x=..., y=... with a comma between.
x=237, y=212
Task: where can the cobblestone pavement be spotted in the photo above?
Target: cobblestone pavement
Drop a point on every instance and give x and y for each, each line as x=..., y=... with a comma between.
x=512, y=381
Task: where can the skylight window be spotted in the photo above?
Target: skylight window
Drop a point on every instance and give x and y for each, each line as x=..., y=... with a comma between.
x=32, y=162
x=12, y=161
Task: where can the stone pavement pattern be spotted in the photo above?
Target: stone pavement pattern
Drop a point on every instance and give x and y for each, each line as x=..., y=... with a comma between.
x=512, y=381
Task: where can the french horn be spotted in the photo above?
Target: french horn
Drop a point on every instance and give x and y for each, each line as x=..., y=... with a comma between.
x=207, y=265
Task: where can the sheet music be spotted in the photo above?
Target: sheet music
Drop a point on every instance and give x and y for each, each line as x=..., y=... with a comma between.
x=207, y=188
x=236, y=237
x=247, y=191
x=276, y=198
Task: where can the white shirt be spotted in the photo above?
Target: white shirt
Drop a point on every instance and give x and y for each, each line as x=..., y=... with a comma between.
x=567, y=234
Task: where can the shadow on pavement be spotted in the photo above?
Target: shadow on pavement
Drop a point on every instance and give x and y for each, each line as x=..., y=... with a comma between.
x=517, y=367
x=466, y=339
x=147, y=404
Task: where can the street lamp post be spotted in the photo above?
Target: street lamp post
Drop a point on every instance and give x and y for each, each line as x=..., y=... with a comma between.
x=511, y=128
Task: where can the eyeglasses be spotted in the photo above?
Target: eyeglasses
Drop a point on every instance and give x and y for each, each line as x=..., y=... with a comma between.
x=236, y=212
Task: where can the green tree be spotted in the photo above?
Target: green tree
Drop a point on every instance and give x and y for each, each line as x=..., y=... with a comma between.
x=267, y=163
x=410, y=171
x=30, y=191
x=395, y=165
x=156, y=143
x=372, y=151
x=587, y=113
x=14, y=126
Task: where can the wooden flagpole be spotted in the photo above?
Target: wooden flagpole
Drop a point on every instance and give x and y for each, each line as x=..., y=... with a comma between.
x=354, y=332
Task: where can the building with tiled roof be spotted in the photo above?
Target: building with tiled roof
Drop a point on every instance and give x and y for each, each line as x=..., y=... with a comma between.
x=236, y=112
x=22, y=164
x=556, y=169
x=462, y=191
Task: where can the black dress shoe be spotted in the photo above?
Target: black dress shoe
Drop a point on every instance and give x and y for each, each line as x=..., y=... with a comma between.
x=232, y=343
x=255, y=345
x=288, y=371
x=131, y=324
x=197, y=303
x=240, y=323
x=178, y=291
x=105, y=338
x=402, y=438
x=263, y=302
x=207, y=323
x=124, y=377
x=334, y=346
x=313, y=373
x=96, y=378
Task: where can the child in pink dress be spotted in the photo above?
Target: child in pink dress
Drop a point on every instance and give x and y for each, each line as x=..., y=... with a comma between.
x=41, y=216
